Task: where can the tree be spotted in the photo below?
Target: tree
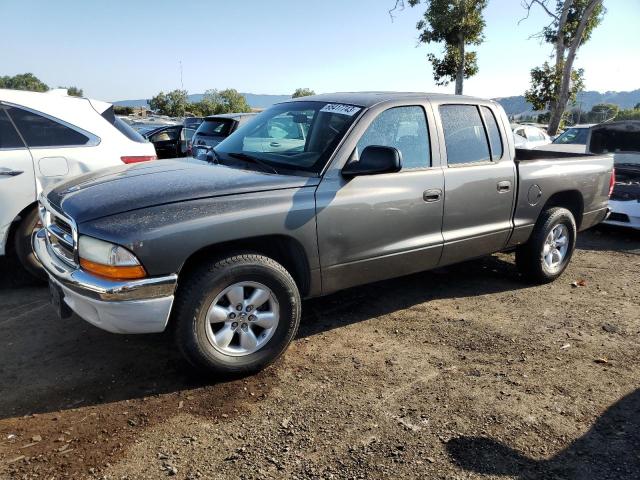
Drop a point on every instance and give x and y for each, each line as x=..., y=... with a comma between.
x=120, y=110
x=24, y=81
x=173, y=104
x=75, y=92
x=302, y=92
x=457, y=24
x=572, y=22
x=232, y=101
x=215, y=102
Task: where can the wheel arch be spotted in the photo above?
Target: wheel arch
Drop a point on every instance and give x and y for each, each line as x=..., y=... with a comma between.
x=285, y=250
x=9, y=246
x=572, y=200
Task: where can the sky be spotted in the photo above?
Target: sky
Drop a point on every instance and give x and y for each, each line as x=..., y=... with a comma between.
x=130, y=49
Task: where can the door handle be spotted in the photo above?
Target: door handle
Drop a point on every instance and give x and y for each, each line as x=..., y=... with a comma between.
x=432, y=195
x=274, y=144
x=504, y=187
x=6, y=172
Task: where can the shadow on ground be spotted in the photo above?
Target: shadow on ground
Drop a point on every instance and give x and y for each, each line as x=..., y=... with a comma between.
x=609, y=450
x=48, y=364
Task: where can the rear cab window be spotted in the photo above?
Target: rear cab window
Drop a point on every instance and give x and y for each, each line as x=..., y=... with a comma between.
x=471, y=134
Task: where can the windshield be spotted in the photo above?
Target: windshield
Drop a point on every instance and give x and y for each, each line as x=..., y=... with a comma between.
x=299, y=136
x=215, y=127
x=573, y=136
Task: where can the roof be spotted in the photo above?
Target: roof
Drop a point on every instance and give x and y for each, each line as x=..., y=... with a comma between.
x=50, y=102
x=231, y=115
x=369, y=99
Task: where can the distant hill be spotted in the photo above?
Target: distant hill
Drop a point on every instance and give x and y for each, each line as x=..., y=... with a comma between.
x=512, y=105
x=518, y=105
x=253, y=99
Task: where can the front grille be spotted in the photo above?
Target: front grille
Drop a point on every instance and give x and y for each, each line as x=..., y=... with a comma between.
x=60, y=233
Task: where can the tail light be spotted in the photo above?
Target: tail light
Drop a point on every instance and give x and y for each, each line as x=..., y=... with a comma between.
x=138, y=159
x=612, y=181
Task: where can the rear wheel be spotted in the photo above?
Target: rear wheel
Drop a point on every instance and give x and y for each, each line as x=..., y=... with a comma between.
x=237, y=315
x=549, y=249
x=29, y=224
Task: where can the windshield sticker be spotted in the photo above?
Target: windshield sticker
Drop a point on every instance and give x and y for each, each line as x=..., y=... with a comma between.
x=341, y=109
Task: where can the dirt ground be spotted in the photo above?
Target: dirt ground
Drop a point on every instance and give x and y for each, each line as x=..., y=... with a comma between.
x=464, y=372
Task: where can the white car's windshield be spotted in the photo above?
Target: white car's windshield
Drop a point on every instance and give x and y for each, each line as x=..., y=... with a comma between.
x=298, y=136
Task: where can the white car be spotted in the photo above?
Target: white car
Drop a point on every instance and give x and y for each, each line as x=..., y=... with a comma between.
x=528, y=136
x=46, y=138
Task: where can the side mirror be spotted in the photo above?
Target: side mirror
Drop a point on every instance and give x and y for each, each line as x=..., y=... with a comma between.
x=374, y=159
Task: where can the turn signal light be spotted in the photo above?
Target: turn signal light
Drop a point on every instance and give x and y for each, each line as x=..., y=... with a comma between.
x=113, y=272
x=138, y=159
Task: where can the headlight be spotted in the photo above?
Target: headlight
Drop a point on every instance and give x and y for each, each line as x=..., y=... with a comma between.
x=108, y=260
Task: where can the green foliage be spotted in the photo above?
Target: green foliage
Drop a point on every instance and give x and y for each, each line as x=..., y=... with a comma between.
x=215, y=102
x=23, y=81
x=629, y=114
x=173, y=104
x=454, y=23
x=302, y=92
x=545, y=85
x=74, y=92
x=445, y=69
x=575, y=14
x=119, y=110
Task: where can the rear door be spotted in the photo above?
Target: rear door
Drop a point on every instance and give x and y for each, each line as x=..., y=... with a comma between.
x=57, y=147
x=167, y=142
x=373, y=227
x=17, y=178
x=480, y=182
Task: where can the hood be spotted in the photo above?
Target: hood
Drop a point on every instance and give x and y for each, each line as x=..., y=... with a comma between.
x=131, y=187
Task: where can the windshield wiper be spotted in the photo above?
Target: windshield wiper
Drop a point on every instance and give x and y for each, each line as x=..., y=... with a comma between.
x=249, y=158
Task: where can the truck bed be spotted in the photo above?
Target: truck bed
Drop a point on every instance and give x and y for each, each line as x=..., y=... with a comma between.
x=542, y=154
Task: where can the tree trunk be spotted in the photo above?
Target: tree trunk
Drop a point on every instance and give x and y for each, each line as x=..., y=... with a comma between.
x=563, y=94
x=460, y=72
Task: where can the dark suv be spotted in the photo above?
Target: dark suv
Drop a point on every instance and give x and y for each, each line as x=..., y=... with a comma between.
x=214, y=129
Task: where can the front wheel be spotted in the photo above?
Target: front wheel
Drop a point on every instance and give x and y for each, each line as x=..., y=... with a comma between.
x=237, y=315
x=547, y=253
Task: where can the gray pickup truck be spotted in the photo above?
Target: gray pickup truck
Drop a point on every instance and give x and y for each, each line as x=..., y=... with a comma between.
x=311, y=196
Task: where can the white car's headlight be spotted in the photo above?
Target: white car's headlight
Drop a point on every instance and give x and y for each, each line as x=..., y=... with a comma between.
x=108, y=260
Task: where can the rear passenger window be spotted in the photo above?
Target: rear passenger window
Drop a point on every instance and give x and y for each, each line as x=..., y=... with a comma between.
x=39, y=131
x=8, y=136
x=404, y=128
x=494, y=133
x=464, y=134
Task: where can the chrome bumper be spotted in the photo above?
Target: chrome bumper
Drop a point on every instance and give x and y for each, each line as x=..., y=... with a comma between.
x=136, y=306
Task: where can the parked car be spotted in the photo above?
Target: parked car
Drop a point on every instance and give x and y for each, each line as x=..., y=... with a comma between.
x=171, y=142
x=623, y=140
x=384, y=185
x=214, y=129
x=46, y=138
x=528, y=136
x=572, y=140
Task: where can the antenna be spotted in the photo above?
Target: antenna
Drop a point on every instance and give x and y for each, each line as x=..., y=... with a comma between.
x=181, y=82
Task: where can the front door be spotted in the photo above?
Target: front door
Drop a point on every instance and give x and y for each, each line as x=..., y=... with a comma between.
x=382, y=226
x=480, y=182
x=17, y=178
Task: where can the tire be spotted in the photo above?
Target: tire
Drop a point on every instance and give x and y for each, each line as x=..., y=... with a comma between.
x=532, y=258
x=203, y=294
x=23, y=248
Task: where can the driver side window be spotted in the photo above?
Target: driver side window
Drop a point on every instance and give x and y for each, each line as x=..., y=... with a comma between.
x=404, y=128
